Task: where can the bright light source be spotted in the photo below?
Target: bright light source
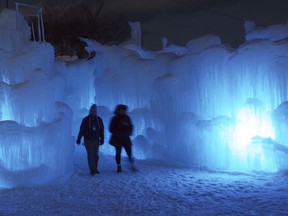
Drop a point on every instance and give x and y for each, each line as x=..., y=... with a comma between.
x=252, y=123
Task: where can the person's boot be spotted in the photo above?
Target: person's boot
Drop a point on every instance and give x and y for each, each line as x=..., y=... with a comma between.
x=119, y=169
x=134, y=168
x=92, y=173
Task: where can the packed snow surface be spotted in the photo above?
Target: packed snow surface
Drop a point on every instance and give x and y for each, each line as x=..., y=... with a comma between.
x=159, y=188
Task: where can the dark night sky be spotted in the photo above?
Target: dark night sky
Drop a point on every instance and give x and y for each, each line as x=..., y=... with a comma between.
x=182, y=20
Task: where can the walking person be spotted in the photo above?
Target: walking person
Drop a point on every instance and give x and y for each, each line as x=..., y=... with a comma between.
x=92, y=129
x=121, y=129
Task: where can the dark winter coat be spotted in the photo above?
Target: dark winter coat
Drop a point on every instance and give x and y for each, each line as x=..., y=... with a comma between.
x=92, y=129
x=121, y=129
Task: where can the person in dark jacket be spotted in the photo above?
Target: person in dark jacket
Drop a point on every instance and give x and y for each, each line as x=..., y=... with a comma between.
x=92, y=129
x=121, y=129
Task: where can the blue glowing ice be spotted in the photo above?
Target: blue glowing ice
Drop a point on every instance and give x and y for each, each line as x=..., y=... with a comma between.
x=205, y=105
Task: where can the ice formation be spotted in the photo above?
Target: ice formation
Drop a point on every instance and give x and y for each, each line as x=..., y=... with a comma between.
x=215, y=107
x=35, y=124
x=201, y=105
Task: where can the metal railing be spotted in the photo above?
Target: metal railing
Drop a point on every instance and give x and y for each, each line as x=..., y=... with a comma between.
x=38, y=14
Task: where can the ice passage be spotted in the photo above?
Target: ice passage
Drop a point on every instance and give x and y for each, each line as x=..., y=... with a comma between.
x=203, y=105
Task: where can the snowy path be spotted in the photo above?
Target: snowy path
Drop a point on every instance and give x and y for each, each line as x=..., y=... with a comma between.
x=158, y=189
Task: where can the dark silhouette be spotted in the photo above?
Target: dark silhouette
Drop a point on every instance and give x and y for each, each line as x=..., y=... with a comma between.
x=121, y=129
x=92, y=129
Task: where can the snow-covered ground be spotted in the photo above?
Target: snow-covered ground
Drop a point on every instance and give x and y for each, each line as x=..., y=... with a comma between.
x=157, y=189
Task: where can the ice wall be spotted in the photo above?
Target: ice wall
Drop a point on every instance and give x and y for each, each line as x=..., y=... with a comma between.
x=14, y=31
x=35, y=124
x=214, y=106
x=274, y=32
x=201, y=105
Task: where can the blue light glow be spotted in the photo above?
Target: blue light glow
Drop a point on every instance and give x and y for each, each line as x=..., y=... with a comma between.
x=250, y=124
x=186, y=108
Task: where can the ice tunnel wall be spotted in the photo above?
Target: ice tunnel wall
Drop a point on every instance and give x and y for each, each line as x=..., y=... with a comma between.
x=216, y=108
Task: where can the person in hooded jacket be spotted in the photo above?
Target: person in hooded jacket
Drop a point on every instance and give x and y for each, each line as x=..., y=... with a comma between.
x=121, y=129
x=92, y=129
